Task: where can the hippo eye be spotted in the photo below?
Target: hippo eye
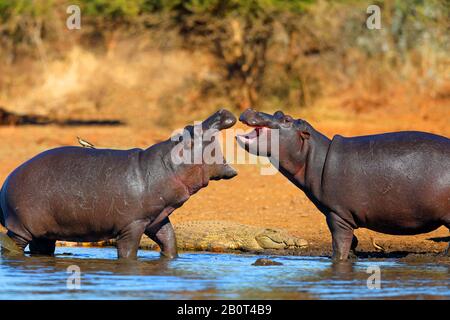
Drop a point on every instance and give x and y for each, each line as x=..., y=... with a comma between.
x=178, y=138
x=287, y=120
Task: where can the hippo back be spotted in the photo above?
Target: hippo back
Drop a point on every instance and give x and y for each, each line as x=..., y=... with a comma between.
x=59, y=186
x=389, y=181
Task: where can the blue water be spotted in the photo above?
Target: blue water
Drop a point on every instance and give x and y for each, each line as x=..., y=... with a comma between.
x=213, y=276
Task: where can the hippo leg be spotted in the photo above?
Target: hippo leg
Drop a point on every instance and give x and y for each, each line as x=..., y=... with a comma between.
x=129, y=239
x=165, y=238
x=342, y=236
x=42, y=247
x=354, y=244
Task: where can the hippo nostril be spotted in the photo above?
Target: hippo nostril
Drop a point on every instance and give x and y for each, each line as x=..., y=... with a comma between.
x=230, y=122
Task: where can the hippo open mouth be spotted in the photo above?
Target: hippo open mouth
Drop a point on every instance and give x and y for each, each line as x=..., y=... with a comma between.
x=255, y=140
x=252, y=135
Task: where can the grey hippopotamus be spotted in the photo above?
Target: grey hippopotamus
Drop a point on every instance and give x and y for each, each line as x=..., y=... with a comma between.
x=80, y=194
x=395, y=183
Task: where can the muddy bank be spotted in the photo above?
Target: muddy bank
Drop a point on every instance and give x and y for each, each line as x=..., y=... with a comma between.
x=240, y=240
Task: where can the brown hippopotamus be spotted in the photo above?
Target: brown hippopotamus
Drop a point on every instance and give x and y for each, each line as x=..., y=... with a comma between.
x=396, y=183
x=80, y=194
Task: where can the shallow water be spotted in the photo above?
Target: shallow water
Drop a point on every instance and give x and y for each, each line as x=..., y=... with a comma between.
x=214, y=276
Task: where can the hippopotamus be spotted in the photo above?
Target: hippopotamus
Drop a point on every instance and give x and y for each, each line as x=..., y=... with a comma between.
x=86, y=195
x=396, y=183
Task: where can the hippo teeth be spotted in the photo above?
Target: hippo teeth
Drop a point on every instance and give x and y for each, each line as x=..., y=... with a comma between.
x=252, y=134
x=248, y=136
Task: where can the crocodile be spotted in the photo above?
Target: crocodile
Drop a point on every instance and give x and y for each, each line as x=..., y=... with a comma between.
x=221, y=236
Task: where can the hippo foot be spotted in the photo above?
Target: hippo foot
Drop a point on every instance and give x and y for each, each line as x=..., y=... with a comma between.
x=42, y=247
x=351, y=256
x=168, y=256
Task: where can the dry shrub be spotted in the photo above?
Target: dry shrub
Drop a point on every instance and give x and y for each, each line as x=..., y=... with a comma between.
x=176, y=65
x=369, y=69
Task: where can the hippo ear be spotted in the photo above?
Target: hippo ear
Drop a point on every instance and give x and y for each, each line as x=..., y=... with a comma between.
x=222, y=119
x=279, y=114
x=302, y=129
x=187, y=138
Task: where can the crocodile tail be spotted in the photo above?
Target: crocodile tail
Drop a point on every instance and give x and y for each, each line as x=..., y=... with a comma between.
x=2, y=218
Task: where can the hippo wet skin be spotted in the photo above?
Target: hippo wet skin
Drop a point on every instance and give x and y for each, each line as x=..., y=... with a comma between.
x=80, y=194
x=395, y=183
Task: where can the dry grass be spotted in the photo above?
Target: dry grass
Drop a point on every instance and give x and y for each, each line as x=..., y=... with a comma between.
x=149, y=87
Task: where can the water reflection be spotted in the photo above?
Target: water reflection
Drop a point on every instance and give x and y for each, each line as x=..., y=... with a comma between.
x=213, y=276
x=42, y=264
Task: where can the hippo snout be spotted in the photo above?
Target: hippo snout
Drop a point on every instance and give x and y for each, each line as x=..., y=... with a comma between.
x=254, y=118
x=247, y=117
x=228, y=119
x=222, y=119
